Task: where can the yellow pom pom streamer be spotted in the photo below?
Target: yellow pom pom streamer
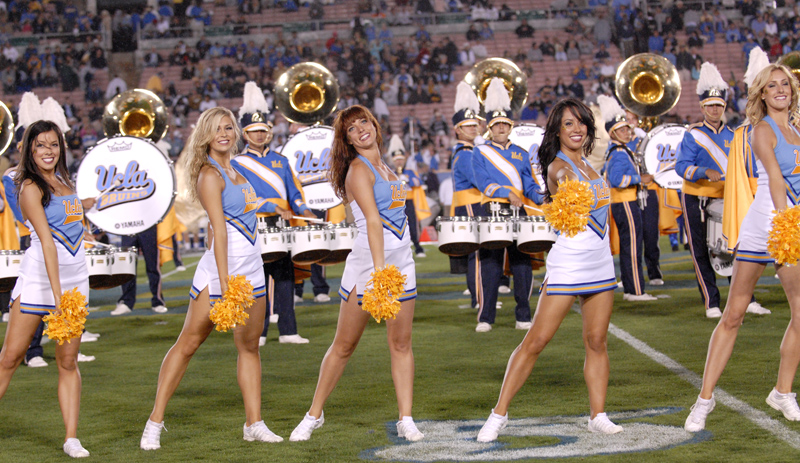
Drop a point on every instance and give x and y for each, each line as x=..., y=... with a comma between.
x=784, y=237
x=386, y=286
x=568, y=212
x=69, y=324
x=229, y=311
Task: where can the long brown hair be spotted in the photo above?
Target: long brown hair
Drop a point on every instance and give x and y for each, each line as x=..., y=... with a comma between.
x=342, y=152
x=27, y=166
x=198, y=145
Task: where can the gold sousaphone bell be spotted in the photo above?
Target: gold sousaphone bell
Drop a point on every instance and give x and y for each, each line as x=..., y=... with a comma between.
x=306, y=93
x=136, y=113
x=515, y=81
x=648, y=85
x=6, y=127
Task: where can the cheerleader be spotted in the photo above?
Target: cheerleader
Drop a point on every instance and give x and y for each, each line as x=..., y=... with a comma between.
x=55, y=262
x=377, y=198
x=580, y=266
x=230, y=202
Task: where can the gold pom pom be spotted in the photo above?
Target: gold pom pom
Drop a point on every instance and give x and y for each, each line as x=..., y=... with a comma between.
x=784, y=237
x=70, y=322
x=568, y=212
x=386, y=286
x=229, y=311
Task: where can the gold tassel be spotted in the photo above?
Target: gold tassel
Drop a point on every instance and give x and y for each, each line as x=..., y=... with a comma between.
x=230, y=310
x=568, y=212
x=784, y=236
x=386, y=286
x=69, y=324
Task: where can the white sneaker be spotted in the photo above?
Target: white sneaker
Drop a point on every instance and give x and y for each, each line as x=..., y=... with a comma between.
x=494, y=424
x=259, y=431
x=523, y=325
x=89, y=337
x=7, y=315
x=73, y=448
x=292, y=339
x=713, y=312
x=657, y=282
x=421, y=254
x=262, y=341
x=483, y=327
x=785, y=403
x=465, y=293
x=322, y=298
x=756, y=308
x=85, y=358
x=638, y=297
x=36, y=362
x=503, y=289
x=180, y=268
x=297, y=299
x=159, y=309
x=498, y=305
x=306, y=427
x=121, y=309
x=696, y=421
x=408, y=429
x=151, y=437
x=603, y=425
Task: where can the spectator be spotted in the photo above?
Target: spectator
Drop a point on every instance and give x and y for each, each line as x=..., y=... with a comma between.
x=559, y=52
x=153, y=59
x=695, y=41
x=115, y=87
x=655, y=44
x=602, y=28
x=486, y=32
x=576, y=88
x=472, y=33
x=534, y=53
x=572, y=50
x=524, y=30
x=466, y=57
x=547, y=47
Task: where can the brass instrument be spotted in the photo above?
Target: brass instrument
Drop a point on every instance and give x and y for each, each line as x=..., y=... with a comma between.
x=792, y=61
x=515, y=81
x=6, y=128
x=648, y=85
x=306, y=93
x=136, y=113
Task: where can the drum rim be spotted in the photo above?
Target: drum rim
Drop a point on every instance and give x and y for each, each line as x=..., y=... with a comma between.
x=97, y=251
x=11, y=252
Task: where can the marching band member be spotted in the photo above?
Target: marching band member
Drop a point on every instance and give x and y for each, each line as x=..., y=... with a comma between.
x=702, y=158
x=503, y=175
x=281, y=197
x=579, y=266
x=376, y=196
x=230, y=202
x=417, y=208
x=651, y=229
x=626, y=182
x=772, y=97
x=55, y=262
x=467, y=196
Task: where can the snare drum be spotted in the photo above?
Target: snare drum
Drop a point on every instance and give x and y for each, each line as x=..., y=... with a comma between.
x=343, y=237
x=310, y=244
x=274, y=243
x=98, y=262
x=458, y=236
x=123, y=266
x=495, y=232
x=10, y=261
x=534, y=234
x=717, y=243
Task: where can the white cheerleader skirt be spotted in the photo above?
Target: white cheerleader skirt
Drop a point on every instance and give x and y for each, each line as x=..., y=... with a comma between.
x=579, y=266
x=33, y=286
x=753, y=236
x=206, y=275
x=358, y=269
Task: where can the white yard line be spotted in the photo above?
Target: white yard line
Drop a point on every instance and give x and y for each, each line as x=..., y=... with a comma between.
x=756, y=416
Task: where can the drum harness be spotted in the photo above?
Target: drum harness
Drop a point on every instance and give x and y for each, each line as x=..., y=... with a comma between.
x=641, y=190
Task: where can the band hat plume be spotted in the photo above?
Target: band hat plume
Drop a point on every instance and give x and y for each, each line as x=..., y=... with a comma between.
x=711, y=87
x=54, y=112
x=30, y=110
x=467, y=107
x=757, y=61
x=254, y=110
x=612, y=113
x=497, y=103
x=396, y=147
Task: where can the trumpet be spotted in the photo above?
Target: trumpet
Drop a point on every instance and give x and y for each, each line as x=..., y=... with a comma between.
x=6, y=128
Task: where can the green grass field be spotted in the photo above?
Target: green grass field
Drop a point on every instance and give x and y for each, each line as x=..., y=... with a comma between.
x=458, y=377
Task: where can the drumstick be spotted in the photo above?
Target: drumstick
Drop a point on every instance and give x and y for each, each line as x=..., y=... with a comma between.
x=536, y=209
x=309, y=219
x=97, y=243
x=116, y=183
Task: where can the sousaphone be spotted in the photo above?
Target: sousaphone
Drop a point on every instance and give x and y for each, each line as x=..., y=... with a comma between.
x=6, y=127
x=136, y=113
x=515, y=81
x=648, y=85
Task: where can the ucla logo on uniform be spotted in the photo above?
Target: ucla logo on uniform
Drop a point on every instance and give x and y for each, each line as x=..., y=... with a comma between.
x=516, y=155
x=250, y=199
x=398, y=196
x=727, y=143
x=131, y=185
x=277, y=164
x=73, y=210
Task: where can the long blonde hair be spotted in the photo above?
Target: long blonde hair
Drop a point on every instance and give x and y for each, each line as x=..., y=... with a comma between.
x=203, y=134
x=756, y=108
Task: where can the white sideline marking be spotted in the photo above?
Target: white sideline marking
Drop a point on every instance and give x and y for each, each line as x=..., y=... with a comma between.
x=173, y=272
x=756, y=416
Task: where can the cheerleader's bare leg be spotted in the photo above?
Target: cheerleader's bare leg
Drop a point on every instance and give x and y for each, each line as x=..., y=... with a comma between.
x=596, y=314
x=248, y=367
x=398, y=333
x=69, y=385
x=19, y=333
x=790, y=346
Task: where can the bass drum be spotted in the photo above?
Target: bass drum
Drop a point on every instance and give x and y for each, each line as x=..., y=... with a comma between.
x=133, y=181
x=529, y=136
x=659, y=150
x=308, y=152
